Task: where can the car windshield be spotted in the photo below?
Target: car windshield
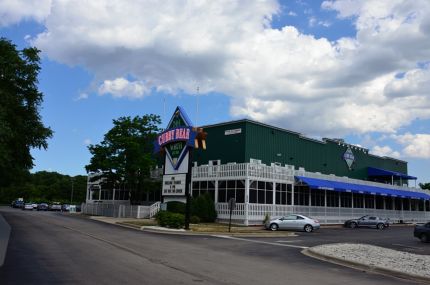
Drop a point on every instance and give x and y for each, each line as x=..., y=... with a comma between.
x=364, y=217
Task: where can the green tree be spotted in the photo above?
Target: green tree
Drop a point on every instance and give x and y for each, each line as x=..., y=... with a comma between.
x=21, y=128
x=425, y=186
x=126, y=153
x=44, y=186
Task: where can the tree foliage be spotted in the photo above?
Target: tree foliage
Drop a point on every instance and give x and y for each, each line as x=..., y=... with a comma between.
x=21, y=128
x=424, y=186
x=46, y=186
x=126, y=153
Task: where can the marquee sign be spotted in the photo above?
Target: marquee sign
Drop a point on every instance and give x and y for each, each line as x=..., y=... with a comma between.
x=176, y=140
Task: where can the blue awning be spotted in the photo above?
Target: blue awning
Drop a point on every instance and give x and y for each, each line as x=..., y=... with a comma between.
x=323, y=184
x=372, y=171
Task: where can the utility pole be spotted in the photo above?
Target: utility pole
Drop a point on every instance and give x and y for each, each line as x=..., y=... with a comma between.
x=71, y=195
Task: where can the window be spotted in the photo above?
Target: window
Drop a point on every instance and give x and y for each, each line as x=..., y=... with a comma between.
x=332, y=199
x=301, y=195
x=379, y=202
x=261, y=192
x=317, y=197
x=358, y=200
x=369, y=201
x=345, y=199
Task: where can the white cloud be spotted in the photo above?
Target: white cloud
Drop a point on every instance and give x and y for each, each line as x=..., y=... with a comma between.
x=14, y=11
x=87, y=142
x=82, y=96
x=292, y=14
x=121, y=87
x=385, y=151
x=285, y=77
x=414, y=145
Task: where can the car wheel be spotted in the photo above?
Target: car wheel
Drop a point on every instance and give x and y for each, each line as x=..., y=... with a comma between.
x=424, y=238
x=380, y=226
x=274, y=227
x=308, y=228
x=353, y=225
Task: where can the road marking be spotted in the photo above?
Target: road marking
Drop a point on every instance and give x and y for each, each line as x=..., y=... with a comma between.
x=287, y=241
x=407, y=246
x=262, y=242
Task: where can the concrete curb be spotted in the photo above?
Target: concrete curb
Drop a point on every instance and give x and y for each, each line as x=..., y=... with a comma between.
x=191, y=233
x=360, y=266
x=4, y=238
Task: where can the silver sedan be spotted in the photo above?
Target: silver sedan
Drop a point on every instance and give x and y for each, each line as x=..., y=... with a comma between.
x=293, y=222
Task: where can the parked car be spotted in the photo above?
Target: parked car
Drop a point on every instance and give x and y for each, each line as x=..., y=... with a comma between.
x=28, y=206
x=422, y=232
x=65, y=207
x=368, y=221
x=17, y=204
x=55, y=206
x=42, y=207
x=34, y=205
x=293, y=222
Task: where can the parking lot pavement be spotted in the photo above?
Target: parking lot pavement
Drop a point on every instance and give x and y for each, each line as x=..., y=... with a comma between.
x=399, y=238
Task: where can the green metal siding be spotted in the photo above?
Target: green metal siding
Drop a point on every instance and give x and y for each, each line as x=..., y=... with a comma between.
x=227, y=148
x=271, y=144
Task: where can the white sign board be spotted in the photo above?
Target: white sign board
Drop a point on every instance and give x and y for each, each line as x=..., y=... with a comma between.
x=174, y=184
x=232, y=132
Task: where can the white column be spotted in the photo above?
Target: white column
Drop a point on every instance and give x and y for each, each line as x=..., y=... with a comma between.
x=274, y=199
x=113, y=193
x=216, y=191
x=325, y=205
x=246, y=221
x=292, y=194
x=274, y=193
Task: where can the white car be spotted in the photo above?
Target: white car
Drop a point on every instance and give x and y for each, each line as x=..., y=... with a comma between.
x=293, y=222
x=28, y=206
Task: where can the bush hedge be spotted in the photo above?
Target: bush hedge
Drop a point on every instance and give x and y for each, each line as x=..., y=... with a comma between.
x=171, y=220
x=176, y=207
x=204, y=207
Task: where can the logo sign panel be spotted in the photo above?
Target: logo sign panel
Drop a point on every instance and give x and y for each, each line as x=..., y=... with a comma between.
x=174, y=184
x=177, y=138
x=349, y=158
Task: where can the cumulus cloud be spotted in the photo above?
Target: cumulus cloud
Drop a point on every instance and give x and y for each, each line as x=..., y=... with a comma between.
x=414, y=145
x=121, y=87
x=385, y=151
x=14, y=11
x=279, y=76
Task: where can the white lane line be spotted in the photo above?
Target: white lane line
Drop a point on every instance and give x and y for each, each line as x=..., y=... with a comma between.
x=403, y=245
x=262, y=242
x=287, y=241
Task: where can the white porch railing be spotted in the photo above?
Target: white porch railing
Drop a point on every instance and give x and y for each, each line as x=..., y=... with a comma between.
x=154, y=209
x=250, y=170
x=326, y=215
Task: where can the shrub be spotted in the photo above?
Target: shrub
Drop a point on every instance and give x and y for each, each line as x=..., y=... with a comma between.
x=204, y=207
x=176, y=207
x=194, y=220
x=266, y=218
x=171, y=220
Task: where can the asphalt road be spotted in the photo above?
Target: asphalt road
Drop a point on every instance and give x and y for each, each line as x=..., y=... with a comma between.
x=55, y=248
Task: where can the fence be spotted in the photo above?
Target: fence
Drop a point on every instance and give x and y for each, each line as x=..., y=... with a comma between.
x=120, y=211
x=326, y=215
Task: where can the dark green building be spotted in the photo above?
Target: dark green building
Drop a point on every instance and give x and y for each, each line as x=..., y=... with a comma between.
x=243, y=140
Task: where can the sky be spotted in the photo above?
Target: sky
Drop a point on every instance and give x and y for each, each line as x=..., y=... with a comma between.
x=357, y=70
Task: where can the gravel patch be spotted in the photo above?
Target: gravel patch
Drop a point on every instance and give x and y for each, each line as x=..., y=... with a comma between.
x=376, y=256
